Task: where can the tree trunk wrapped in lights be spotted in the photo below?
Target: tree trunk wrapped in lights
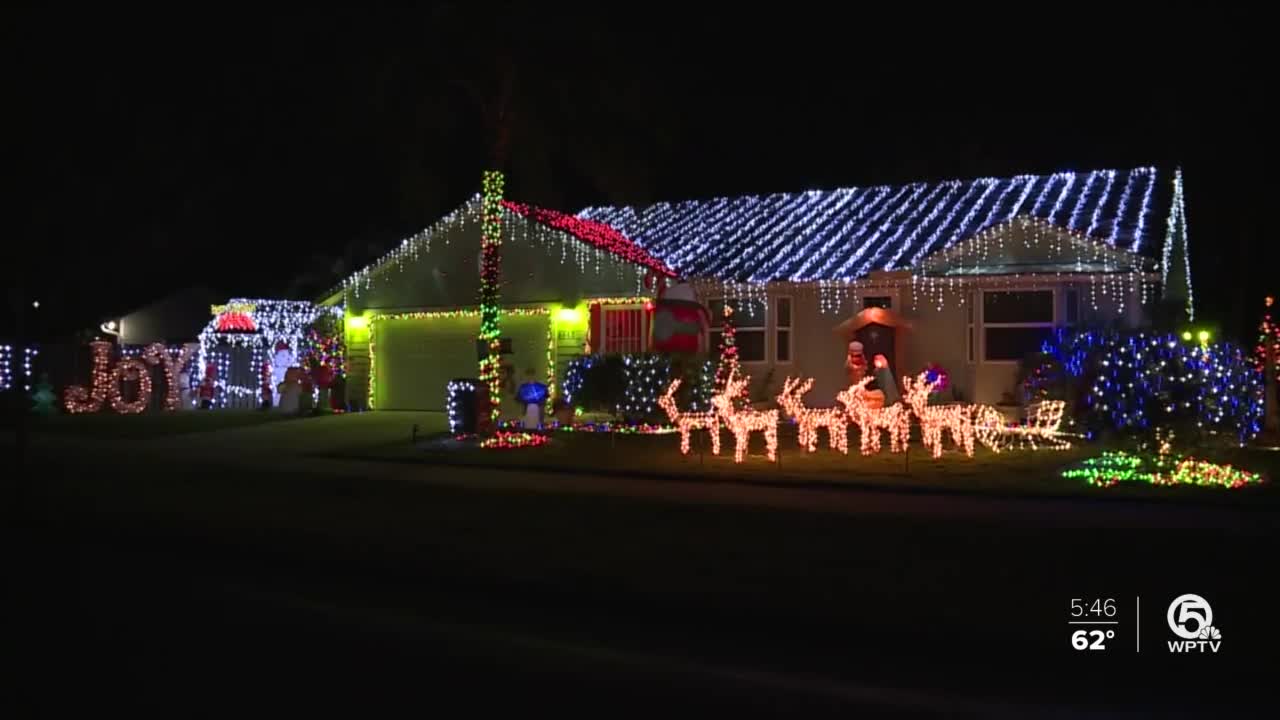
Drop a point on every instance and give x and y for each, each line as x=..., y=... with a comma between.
x=490, y=278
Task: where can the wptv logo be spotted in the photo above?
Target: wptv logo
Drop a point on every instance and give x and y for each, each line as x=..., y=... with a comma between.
x=1191, y=619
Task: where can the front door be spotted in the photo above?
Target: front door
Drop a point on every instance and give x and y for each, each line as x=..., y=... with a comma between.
x=877, y=339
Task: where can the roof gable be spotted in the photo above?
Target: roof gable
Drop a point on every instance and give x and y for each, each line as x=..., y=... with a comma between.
x=845, y=234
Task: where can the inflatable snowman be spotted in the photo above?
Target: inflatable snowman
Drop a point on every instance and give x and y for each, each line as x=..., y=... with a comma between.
x=679, y=320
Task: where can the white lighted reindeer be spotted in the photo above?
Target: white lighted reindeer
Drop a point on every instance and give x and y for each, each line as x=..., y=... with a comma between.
x=957, y=419
x=744, y=422
x=687, y=422
x=896, y=419
x=835, y=420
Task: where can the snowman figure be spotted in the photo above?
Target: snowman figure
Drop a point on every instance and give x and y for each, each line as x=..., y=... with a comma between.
x=280, y=364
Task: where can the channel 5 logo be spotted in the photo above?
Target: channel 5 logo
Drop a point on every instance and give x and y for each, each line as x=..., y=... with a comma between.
x=1191, y=619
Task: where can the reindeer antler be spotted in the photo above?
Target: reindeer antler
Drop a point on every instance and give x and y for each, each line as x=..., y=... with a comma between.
x=668, y=402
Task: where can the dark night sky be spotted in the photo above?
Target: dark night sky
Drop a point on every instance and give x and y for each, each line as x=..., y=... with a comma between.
x=261, y=155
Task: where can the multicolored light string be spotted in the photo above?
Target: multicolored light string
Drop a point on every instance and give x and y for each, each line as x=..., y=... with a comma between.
x=1113, y=467
x=490, y=282
x=504, y=440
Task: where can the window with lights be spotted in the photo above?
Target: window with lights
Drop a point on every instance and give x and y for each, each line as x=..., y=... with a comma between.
x=624, y=329
x=749, y=324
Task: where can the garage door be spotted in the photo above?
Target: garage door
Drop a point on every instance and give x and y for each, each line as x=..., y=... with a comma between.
x=416, y=358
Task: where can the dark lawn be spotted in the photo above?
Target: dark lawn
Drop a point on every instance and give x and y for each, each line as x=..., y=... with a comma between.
x=112, y=425
x=1033, y=472
x=964, y=608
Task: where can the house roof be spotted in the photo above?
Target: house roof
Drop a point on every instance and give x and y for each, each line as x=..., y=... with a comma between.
x=589, y=232
x=594, y=233
x=846, y=233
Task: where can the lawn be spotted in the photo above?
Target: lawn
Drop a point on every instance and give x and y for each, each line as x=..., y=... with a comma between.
x=1011, y=472
x=111, y=425
x=417, y=437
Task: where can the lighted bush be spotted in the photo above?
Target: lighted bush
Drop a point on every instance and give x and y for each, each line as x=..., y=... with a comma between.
x=1134, y=383
x=630, y=384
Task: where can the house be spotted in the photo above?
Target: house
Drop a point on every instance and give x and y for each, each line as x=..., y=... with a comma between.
x=175, y=318
x=967, y=274
x=412, y=319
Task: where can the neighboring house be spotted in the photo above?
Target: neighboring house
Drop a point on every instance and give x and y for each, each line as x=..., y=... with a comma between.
x=175, y=318
x=971, y=275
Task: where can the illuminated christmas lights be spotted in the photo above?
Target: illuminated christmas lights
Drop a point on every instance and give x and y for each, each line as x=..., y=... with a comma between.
x=130, y=370
x=456, y=393
x=1165, y=468
x=503, y=440
x=745, y=421
x=597, y=234
x=6, y=366
x=687, y=422
x=835, y=420
x=956, y=419
x=490, y=282
x=1176, y=232
x=645, y=376
x=955, y=270
x=76, y=398
x=1043, y=427
x=275, y=321
x=894, y=419
x=157, y=354
x=1136, y=382
x=727, y=364
x=6, y=372
x=825, y=235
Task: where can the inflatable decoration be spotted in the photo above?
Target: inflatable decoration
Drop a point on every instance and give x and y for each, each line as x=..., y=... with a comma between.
x=679, y=320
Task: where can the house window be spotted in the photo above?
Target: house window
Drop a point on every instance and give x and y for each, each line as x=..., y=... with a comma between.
x=623, y=328
x=749, y=326
x=877, y=301
x=1072, y=310
x=782, y=336
x=970, y=342
x=1015, y=323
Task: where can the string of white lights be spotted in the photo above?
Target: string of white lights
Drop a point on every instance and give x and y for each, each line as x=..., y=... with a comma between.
x=1043, y=197
x=1142, y=214
x=836, y=203
x=837, y=230
x=1082, y=202
x=910, y=222
x=932, y=240
x=1097, y=209
x=1062, y=196
x=845, y=270
x=804, y=219
x=952, y=188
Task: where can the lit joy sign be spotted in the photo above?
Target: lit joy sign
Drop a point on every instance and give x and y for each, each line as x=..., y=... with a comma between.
x=233, y=308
